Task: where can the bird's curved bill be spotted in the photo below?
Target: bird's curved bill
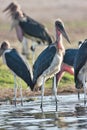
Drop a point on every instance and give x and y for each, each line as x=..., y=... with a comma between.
x=8, y=7
x=65, y=35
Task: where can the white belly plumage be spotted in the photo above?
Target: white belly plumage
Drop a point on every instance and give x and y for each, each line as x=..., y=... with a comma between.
x=53, y=69
x=82, y=76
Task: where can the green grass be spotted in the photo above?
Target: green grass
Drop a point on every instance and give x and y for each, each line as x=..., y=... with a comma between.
x=7, y=79
x=67, y=80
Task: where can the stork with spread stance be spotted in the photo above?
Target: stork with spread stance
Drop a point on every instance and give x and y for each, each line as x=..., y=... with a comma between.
x=27, y=27
x=80, y=68
x=16, y=64
x=49, y=61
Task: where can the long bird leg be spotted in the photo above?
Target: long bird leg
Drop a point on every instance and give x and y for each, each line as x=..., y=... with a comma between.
x=18, y=83
x=55, y=90
x=78, y=95
x=84, y=87
x=42, y=93
x=21, y=93
x=15, y=89
x=25, y=47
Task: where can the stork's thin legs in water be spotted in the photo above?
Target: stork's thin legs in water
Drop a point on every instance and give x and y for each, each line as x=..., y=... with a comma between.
x=78, y=95
x=15, y=89
x=42, y=93
x=80, y=68
x=84, y=87
x=21, y=93
x=55, y=90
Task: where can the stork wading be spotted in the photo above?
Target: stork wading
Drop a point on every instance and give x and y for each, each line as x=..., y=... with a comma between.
x=48, y=63
x=80, y=69
x=16, y=64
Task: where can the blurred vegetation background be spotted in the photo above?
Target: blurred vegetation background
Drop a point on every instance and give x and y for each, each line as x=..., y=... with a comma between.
x=74, y=15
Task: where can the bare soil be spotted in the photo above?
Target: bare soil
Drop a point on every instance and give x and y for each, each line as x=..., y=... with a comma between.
x=8, y=93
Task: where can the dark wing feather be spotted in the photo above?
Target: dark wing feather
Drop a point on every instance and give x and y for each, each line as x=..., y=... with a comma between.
x=17, y=65
x=80, y=59
x=69, y=56
x=35, y=29
x=43, y=61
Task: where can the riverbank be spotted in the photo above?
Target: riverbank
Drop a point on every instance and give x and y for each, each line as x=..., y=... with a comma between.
x=8, y=93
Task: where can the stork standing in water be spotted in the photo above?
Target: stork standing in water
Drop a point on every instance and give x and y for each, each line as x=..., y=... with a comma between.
x=16, y=64
x=27, y=27
x=49, y=61
x=80, y=69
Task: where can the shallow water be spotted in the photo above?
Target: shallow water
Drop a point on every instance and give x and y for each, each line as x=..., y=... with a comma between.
x=71, y=114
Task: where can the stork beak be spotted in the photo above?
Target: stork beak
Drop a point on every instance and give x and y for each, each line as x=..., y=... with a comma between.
x=12, y=7
x=65, y=34
x=60, y=27
x=8, y=7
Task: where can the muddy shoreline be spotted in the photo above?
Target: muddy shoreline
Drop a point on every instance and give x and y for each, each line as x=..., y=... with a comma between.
x=8, y=93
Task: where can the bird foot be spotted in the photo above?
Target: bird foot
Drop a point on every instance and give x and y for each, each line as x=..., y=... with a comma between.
x=15, y=103
x=84, y=102
x=41, y=106
x=56, y=106
x=21, y=103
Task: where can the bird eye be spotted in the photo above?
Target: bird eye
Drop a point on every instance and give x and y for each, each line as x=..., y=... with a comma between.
x=59, y=25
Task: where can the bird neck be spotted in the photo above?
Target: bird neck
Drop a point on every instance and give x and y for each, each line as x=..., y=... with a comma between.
x=59, y=43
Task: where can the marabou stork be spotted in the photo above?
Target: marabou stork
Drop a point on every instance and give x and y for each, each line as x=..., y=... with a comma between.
x=16, y=64
x=27, y=27
x=49, y=61
x=80, y=68
x=68, y=64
